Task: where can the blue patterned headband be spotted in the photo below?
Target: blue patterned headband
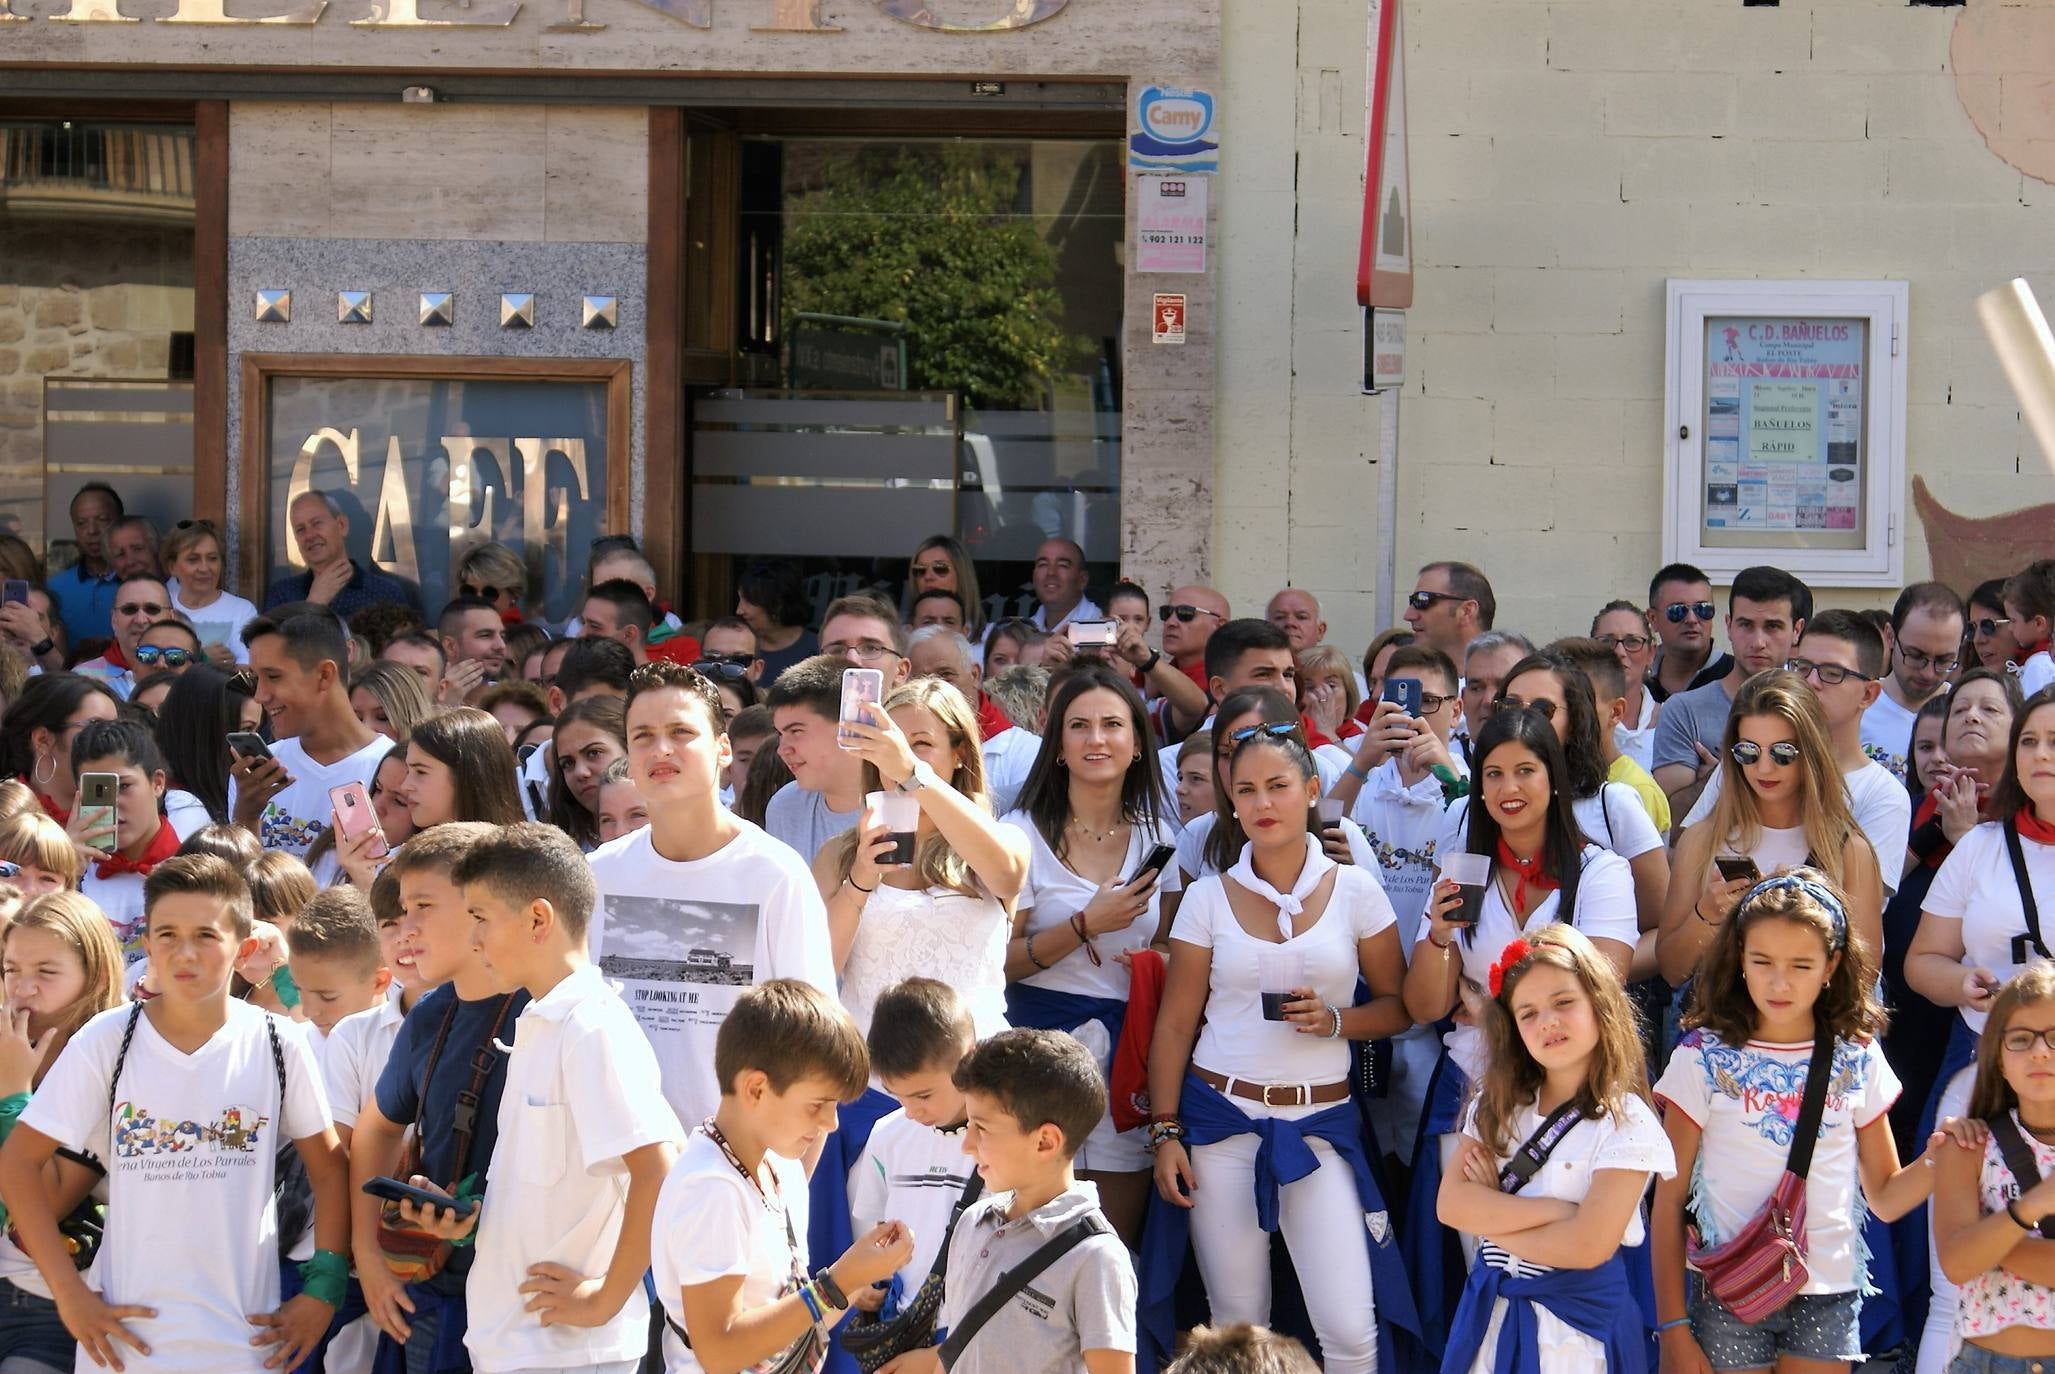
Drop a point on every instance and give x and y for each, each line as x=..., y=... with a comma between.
x=1819, y=892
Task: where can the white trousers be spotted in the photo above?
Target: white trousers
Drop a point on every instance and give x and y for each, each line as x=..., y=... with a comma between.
x=1937, y=1343
x=1321, y=1219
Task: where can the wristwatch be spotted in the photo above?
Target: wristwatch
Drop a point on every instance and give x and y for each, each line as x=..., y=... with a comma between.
x=920, y=777
x=1155, y=657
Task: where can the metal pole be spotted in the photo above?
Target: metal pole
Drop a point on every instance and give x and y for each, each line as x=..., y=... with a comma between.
x=1387, y=505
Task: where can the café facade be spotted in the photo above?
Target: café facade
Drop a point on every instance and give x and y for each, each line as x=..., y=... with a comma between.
x=744, y=278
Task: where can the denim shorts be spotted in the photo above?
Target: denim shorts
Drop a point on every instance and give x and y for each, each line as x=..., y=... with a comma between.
x=1812, y=1326
x=1974, y=1359
x=30, y=1329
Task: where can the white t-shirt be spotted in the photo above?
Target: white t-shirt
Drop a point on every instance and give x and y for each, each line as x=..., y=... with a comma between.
x=684, y=939
x=1637, y=741
x=802, y=819
x=355, y=1053
x=2037, y=672
x=221, y=622
x=911, y=1173
x=1055, y=892
x=295, y=818
x=710, y=1224
x=1236, y=1040
x=581, y=1091
x=1879, y=802
x=1746, y=1100
x=1887, y=734
x=1975, y=886
x=1009, y=755
x=120, y=899
x=1775, y=849
x=1605, y=911
x=1635, y=1141
x=1612, y=818
x=1402, y=827
x=192, y=1230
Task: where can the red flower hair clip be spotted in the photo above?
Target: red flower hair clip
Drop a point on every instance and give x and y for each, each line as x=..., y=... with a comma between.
x=1515, y=952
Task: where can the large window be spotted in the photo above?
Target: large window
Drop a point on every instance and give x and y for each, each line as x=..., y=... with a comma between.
x=96, y=320
x=977, y=280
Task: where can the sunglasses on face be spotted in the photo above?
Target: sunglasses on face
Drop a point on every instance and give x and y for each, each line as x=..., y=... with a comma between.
x=1421, y=601
x=1988, y=626
x=491, y=594
x=1276, y=729
x=1185, y=614
x=9, y=869
x=1683, y=610
x=150, y=654
x=1545, y=709
x=723, y=668
x=1918, y=658
x=940, y=568
x=1748, y=753
x=1633, y=644
x=149, y=608
x=1830, y=674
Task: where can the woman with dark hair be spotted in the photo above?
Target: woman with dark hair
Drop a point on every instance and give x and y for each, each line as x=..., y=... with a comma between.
x=1991, y=641
x=771, y=597
x=140, y=837
x=1520, y=817
x=941, y=563
x=461, y=768
x=1093, y=810
x=588, y=736
x=204, y=707
x=37, y=729
x=1010, y=643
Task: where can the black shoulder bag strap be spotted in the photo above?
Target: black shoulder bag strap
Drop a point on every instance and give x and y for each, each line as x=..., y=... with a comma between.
x=1018, y=1277
x=484, y=1059
x=2019, y=1160
x=1528, y=1159
x=971, y=1190
x=1814, y=1106
x=2032, y=938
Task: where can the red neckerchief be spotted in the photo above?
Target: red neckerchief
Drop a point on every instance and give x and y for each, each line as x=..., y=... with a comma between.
x=2032, y=827
x=1367, y=710
x=115, y=657
x=162, y=846
x=50, y=808
x=1314, y=739
x=991, y=720
x=1526, y=873
x=2046, y=646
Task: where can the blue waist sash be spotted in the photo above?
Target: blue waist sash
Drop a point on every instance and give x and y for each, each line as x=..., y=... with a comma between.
x=1046, y=1009
x=1594, y=1302
x=447, y=1355
x=1282, y=1156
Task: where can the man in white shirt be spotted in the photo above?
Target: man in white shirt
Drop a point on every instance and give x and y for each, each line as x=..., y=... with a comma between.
x=1059, y=580
x=1926, y=632
x=1846, y=647
x=302, y=684
x=1246, y=653
x=699, y=904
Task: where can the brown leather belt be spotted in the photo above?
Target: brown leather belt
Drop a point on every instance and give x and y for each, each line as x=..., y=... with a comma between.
x=1273, y=1094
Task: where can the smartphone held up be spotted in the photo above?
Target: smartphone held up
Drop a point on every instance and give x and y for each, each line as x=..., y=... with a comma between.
x=861, y=687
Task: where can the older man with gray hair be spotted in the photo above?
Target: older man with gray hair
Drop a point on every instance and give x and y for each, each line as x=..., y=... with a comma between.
x=939, y=652
x=332, y=578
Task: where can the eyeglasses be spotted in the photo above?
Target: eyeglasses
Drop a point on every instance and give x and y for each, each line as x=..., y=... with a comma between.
x=149, y=608
x=868, y=651
x=1916, y=658
x=1830, y=674
x=1988, y=626
x=1430, y=703
x=1748, y=753
x=721, y=668
x=1185, y=614
x=1633, y=644
x=1544, y=708
x=1420, y=601
x=1276, y=729
x=491, y=594
x=173, y=657
x=1678, y=613
x=2022, y=1040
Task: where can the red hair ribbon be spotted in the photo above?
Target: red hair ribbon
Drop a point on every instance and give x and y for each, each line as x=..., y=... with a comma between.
x=1508, y=961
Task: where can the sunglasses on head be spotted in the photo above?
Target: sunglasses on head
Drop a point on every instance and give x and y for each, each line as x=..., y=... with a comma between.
x=1988, y=626
x=1544, y=708
x=1420, y=601
x=1748, y=753
x=1683, y=610
x=1185, y=614
x=1276, y=729
x=149, y=608
x=149, y=654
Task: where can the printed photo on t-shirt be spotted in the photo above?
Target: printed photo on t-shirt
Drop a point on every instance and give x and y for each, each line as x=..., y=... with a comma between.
x=673, y=940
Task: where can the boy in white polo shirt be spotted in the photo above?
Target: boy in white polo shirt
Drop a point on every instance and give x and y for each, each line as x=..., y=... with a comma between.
x=585, y=1137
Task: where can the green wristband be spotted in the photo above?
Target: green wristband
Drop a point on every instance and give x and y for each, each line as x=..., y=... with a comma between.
x=326, y=1278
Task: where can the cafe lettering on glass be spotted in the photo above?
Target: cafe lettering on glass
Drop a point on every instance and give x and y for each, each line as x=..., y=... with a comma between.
x=777, y=16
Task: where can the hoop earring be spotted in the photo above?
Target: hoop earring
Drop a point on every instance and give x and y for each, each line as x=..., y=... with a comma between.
x=37, y=775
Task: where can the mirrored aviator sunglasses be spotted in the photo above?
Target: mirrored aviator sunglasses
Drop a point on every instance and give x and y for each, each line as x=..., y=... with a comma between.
x=1748, y=753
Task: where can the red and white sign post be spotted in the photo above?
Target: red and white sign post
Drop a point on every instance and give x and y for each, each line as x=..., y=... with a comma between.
x=1384, y=271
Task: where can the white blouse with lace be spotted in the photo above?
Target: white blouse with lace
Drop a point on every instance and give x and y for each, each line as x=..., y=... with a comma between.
x=930, y=933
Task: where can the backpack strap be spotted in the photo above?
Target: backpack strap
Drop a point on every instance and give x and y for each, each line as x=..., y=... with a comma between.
x=1528, y=1159
x=484, y=1059
x=2027, y=904
x=1018, y=1277
x=1814, y=1106
x=2019, y=1159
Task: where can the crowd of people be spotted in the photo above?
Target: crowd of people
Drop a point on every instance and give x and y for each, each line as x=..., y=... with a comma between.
x=904, y=984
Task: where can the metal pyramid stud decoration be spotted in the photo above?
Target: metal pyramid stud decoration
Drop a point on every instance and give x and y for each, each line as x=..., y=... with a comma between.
x=353, y=307
x=601, y=312
x=438, y=308
x=517, y=311
x=274, y=307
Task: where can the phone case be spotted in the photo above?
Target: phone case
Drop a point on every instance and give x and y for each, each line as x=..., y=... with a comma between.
x=860, y=686
x=354, y=815
x=1406, y=693
x=95, y=800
